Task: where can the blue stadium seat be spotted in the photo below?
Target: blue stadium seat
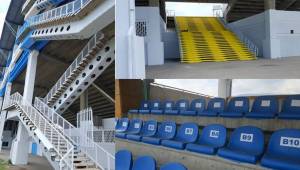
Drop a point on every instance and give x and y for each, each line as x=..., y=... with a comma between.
x=187, y=133
x=145, y=107
x=264, y=107
x=237, y=107
x=122, y=125
x=182, y=105
x=170, y=108
x=156, y=108
x=144, y=163
x=215, y=106
x=211, y=139
x=135, y=127
x=290, y=108
x=283, y=151
x=148, y=130
x=123, y=160
x=197, y=106
x=246, y=144
x=173, y=166
x=166, y=130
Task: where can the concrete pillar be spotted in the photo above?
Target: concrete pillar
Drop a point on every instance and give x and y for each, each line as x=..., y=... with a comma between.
x=270, y=4
x=224, y=88
x=4, y=112
x=20, y=145
x=84, y=100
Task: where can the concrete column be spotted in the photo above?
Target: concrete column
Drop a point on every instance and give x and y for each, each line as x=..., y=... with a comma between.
x=30, y=76
x=224, y=88
x=20, y=146
x=270, y=4
x=84, y=100
x=4, y=112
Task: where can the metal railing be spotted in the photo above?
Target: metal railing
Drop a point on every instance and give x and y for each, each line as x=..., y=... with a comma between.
x=41, y=123
x=248, y=43
x=66, y=10
x=60, y=123
x=103, y=135
x=95, y=152
x=74, y=66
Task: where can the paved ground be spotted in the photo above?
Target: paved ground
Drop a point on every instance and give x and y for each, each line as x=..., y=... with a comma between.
x=283, y=68
x=34, y=162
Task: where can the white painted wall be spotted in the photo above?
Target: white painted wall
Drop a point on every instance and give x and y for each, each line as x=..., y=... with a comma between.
x=271, y=32
x=154, y=46
x=171, y=45
x=108, y=123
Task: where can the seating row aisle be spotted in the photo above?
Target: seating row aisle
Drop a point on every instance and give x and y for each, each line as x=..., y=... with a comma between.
x=263, y=107
x=124, y=162
x=245, y=144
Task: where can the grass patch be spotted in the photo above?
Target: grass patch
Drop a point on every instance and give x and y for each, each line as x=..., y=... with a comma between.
x=3, y=165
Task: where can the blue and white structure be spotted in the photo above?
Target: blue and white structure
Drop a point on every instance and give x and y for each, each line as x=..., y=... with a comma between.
x=57, y=83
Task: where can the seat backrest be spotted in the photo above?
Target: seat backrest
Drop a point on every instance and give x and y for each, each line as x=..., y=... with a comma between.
x=169, y=105
x=182, y=104
x=135, y=125
x=144, y=163
x=247, y=138
x=291, y=104
x=123, y=160
x=155, y=105
x=198, y=105
x=238, y=104
x=122, y=124
x=145, y=105
x=265, y=104
x=285, y=142
x=216, y=105
x=213, y=135
x=187, y=132
x=167, y=130
x=149, y=127
x=173, y=166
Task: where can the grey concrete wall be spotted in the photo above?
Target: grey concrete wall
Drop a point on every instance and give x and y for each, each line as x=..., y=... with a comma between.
x=192, y=161
x=171, y=45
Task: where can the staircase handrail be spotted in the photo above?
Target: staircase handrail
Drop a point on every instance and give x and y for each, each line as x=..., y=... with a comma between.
x=35, y=116
x=80, y=57
x=248, y=43
x=68, y=129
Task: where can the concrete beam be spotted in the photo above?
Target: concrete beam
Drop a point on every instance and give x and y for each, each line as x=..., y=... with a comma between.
x=229, y=8
x=286, y=4
x=84, y=100
x=224, y=88
x=103, y=93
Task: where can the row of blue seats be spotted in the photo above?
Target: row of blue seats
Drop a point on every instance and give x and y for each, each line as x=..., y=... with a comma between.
x=124, y=162
x=246, y=143
x=263, y=107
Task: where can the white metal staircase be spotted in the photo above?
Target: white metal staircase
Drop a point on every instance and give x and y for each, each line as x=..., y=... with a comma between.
x=61, y=148
x=95, y=57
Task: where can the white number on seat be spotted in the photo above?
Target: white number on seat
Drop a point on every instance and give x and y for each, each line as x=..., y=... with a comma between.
x=155, y=104
x=168, y=105
x=136, y=125
x=290, y=142
x=198, y=105
x=151, y=127
x=239, y=103
x=295, y=103
x=168, y=128
x=246, y=137
x=265, y=103
x=188, y=131
x=217, y=104
x=214, y=134
x=145, y=105
x=182, y=104
x=124, y=123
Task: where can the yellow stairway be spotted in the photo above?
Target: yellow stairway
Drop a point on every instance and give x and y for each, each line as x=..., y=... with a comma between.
x=204, y=39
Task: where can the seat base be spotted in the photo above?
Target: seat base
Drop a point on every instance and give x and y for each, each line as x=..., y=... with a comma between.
x=171, y=112
x=157, y=112
x=121, y=135
x=188, y=113
x=280, y=163
x=258, y=115
x=231, y=114
x=208, y=113
x=144, y=111
x=173, y=144
x=151, y=140
x=237, y=155
x=201, y=148
x=284, y=115
x=134, y=137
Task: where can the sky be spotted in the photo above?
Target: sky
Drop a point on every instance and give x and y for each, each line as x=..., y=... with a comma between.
x=191, y=9
x=3, y=9
x=240, y=87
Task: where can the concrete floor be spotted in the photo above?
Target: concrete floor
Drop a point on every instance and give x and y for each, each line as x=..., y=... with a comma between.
x=288, y=67
x=34, y=162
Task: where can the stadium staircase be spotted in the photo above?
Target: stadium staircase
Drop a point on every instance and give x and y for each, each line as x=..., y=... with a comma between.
x=207, y=39
x=62, y=142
